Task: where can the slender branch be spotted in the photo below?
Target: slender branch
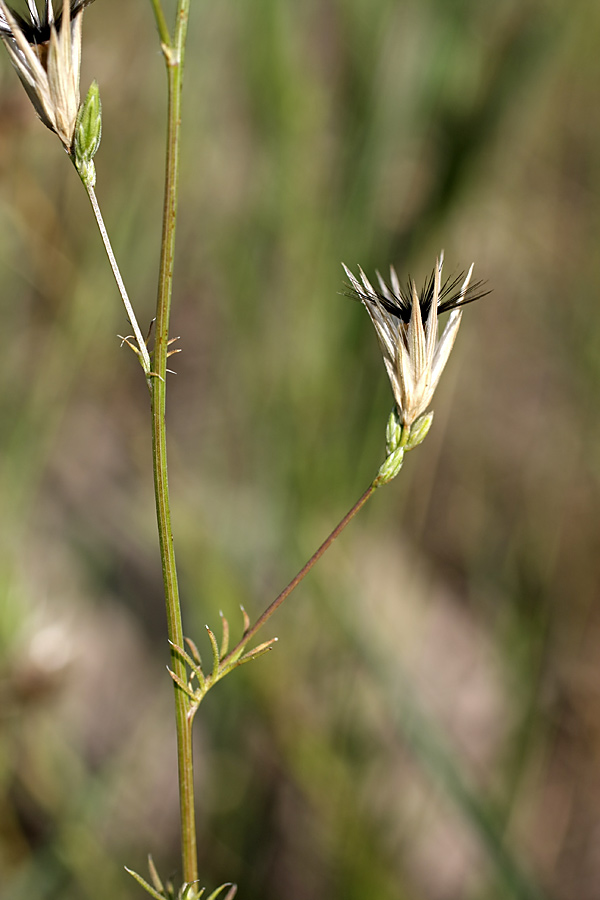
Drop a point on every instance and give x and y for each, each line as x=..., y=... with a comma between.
x=274, y=606
x=174, y=56
x=143, y=350
x=161, y=24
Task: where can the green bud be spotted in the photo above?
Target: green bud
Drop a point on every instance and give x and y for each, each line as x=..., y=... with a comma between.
x=390, y=467
x=393, y=432
x=418, y=431
x=88, y=131
x=190, y=892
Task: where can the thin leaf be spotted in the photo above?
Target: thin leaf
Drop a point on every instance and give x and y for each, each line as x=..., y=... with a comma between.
x=154, y=875
x=190, y=662
x=145, y=885
x=228, y=896
x=181, y=684
x=191, y=892
x=225, y=641
x=195, y=651
x=246, y=620
x=257, y=651
x=185, y=656
x=215, y=650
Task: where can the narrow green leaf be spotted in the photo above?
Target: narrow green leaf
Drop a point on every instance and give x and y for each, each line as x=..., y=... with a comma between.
x=230, y=893
x=195, y=651
x=196, y=669
x=154, y=875
x=181, y=684
x=215, y=650
x=191, y=891
x=225, y=641
x=257, y=651
x=145, y=885
x=246, y=620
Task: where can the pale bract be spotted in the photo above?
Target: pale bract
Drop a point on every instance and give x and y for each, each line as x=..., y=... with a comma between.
x=47, y=56
x=406, y=325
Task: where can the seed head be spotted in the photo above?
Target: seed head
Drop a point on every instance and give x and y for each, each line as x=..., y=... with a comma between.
x=46, y=52
x=406, y=325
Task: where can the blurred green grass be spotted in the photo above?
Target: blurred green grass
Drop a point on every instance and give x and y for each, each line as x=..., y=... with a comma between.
x=428, y=726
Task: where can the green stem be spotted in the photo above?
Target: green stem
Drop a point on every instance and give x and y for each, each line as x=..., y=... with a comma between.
x=143, y=350
x=161, y=24
x=174, y=56
x=274, y=606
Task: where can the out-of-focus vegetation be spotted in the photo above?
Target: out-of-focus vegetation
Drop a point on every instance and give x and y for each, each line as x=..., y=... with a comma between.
x=428, y=727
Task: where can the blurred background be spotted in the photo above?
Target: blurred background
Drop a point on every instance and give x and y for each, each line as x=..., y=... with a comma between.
x=428, y=726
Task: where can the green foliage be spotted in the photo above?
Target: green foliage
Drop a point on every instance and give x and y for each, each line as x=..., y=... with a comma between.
x=185, y=892
x=224, y=661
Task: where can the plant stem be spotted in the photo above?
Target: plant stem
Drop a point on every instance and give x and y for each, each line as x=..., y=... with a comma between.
x=174, y=56
x=274, y=606
x=143, y=350
x=163, y=31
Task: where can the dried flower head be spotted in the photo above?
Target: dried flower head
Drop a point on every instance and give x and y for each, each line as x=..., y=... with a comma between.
x=406, y=324
x=46, y=52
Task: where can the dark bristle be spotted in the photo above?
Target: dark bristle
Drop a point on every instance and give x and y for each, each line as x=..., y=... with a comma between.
x=401, y=306
x=40, y=34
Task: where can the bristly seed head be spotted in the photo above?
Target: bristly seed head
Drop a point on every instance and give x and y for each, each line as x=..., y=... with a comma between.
x=399, y=301
x=37, y=31
x=406, y=324
x=47, y=57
